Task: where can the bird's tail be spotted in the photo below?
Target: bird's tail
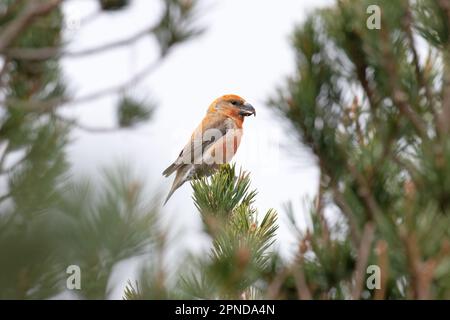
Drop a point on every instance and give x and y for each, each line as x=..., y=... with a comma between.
x=180, y=178
x=172, y=190
x=171, y=169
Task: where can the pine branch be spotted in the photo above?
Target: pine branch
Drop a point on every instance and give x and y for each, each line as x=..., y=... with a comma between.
x=54, y=103
x=39, y=54
x=399, y=97
x=32, y=10
x=443, y=121
x=240, y=244
x=418, y=70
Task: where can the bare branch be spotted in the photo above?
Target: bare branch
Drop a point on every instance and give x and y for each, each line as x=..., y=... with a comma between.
x=90, y=17
x=300, y=282
x=273, y=289
x=303, y=291
x=55, y=52
x=138, y=77
x=399, y=99
x=422, y=272
x=32, y=10
x=383, y=262
x=78, y=125
x=348, y=212
x=363, y=257
x=365, y=192
x=51, y=104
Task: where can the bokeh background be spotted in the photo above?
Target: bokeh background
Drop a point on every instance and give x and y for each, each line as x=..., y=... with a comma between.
x=243, y=50
x=346, y=162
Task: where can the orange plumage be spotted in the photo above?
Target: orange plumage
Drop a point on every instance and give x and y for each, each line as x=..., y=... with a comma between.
x=214, y=142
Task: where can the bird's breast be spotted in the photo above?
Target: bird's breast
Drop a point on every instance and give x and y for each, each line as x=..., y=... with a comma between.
x=224, y=149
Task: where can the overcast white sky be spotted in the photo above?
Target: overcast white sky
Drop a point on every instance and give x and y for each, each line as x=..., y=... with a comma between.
x=245, y=50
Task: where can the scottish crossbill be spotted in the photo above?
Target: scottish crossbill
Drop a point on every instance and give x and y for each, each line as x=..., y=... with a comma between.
x=214, y=142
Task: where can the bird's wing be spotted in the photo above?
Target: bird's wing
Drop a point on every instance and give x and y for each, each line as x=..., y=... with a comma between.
x=224, y=149
x=210, y=130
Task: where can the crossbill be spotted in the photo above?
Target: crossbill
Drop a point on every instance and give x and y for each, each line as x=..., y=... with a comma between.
x=214, y=142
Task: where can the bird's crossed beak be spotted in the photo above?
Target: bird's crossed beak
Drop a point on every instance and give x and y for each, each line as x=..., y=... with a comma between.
x=247, y=110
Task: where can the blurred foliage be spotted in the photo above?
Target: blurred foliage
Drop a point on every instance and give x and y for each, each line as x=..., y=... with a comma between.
x=113, y=4
x=50, y=219
x=32, y=167
x=93, y=226
x=104, y=225
x=371, y=104
x=373, y=107
x=177, y=23
x=131, y=112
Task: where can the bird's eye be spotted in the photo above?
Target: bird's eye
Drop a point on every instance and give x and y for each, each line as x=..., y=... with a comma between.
x=234, y=103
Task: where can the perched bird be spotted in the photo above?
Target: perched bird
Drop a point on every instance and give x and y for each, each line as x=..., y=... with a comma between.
x=214, y=142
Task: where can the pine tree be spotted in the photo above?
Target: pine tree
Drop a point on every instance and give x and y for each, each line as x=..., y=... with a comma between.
x=49, y=219
x=373, y=107
x=241, y=244
x=372, y=104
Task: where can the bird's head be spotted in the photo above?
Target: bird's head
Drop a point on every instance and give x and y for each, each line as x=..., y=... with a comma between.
x=233, y=106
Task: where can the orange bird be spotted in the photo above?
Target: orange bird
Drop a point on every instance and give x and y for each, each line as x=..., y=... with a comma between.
x=214, y=142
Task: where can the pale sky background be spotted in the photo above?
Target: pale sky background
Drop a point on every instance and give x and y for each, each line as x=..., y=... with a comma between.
x=245, y=50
